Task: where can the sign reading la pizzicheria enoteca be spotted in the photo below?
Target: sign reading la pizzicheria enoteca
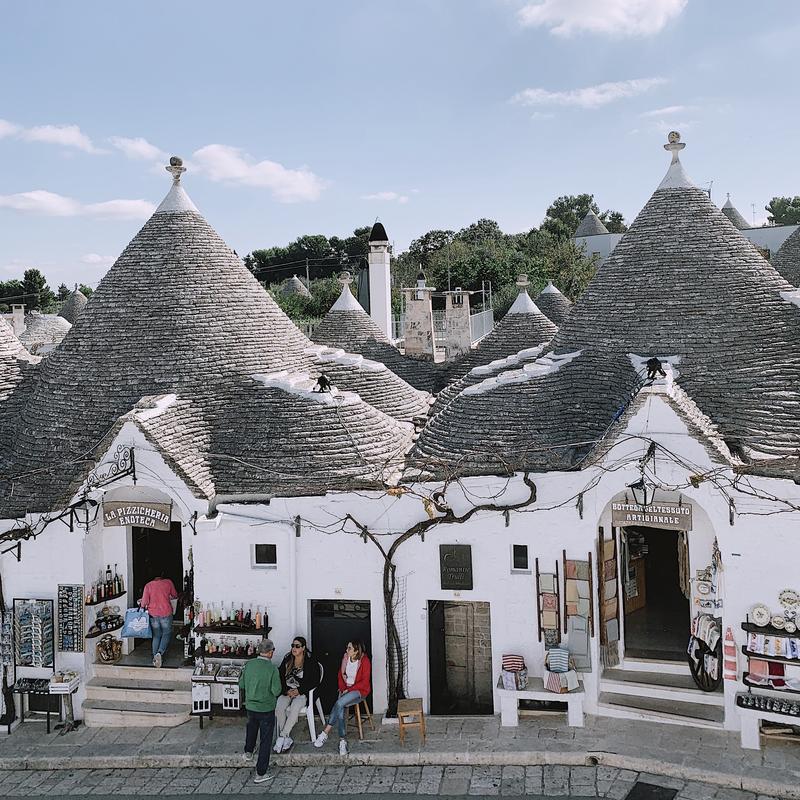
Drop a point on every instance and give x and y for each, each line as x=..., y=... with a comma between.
x=143, y=515
x=455, y=565
x=670, y=516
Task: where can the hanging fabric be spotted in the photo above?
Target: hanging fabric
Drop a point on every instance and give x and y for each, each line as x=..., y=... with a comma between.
x=684, y=577
x=608, y=604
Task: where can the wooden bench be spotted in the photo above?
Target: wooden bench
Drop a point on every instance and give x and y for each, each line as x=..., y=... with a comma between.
x=509, y=702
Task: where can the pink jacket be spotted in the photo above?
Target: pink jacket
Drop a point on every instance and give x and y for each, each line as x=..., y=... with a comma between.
x=157, y=595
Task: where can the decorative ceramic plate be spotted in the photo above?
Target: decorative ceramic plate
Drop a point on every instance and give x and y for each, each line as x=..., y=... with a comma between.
x=778, y=621
x=790, y=627
x=789, y=598
x=703, y=587
x=760, y=615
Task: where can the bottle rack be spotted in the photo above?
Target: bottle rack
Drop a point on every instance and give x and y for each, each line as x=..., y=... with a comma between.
x=106, y=599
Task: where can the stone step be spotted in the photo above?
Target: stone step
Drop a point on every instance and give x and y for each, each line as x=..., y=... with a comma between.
x=181, y=675
x=653, y=665
x=664, y=686
x=124, y=714
x=654, y=709
x=145, y=691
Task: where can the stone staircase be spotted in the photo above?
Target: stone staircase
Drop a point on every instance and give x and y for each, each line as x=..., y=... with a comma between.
x=659, y=692
x=123, y=697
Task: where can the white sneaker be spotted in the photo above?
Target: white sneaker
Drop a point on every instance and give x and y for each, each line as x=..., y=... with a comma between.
x=267, y=776
x=343, y=751
x=247, y=757
x=321, y=739
x=278, y=744
x=287, y=744
x=157, y=660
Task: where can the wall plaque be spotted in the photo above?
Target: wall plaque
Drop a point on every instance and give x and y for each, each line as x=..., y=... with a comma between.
x=455, y=564
x=670, y=516
x=143, y=515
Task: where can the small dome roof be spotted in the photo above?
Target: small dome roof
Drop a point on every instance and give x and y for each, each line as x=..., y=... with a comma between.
x=43, y=331
x=553, y=304
x=590, y=225
x=294, y=285
x=729, y=210
x=73, y=306
x=378, y=233
x=787, y=259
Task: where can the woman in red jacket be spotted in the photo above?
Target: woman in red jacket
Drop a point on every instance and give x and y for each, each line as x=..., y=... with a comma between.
x=354, y=686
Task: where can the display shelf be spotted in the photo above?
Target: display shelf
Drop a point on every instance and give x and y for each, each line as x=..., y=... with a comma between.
x=780, y=659
x=232, y=631
x=765, y=713
x=107, y=630
x=106, y=599
x=781, y=689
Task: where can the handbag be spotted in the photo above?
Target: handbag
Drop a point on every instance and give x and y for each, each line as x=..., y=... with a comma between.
x=137, y=624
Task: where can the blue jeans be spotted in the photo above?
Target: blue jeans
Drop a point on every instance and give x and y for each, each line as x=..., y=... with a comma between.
x=161, y=628
x=338, y=715
x=263, y=723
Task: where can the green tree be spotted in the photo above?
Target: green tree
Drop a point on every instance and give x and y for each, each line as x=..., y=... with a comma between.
x=63, y=292
x=783, y=211
x=614, y=221
x=85, y=290
x=38, y=294
x=565, y=213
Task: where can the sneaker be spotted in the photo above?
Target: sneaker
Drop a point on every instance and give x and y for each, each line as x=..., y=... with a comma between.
x=279, y=744
x=343, y=751
x=267, y=776
x=247, y=757
x=287, y=744
x=321, y=739
x=157, y=660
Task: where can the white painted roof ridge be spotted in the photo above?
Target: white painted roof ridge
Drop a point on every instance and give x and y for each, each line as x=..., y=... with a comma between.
x=509, y=361
x=676, y=177
x=524, y=304
x=347, y=301
x=639, y=363
x=546, y=365
x=157, y=406
x=550, y=289
x=302, y=384
x=176, y=199
x=325, y=354
x=792, y=297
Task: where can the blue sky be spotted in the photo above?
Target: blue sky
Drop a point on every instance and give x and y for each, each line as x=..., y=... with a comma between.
x=309, y=117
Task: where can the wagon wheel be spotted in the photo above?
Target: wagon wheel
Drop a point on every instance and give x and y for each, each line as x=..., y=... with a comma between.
x=701, y=677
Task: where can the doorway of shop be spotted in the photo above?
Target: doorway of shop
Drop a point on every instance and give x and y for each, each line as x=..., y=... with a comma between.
x=655, y=588
x=460, y=658
x=151, y=552
x=334, y=623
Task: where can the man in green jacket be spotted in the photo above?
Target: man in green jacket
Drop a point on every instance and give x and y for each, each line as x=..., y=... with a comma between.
x=262, y=687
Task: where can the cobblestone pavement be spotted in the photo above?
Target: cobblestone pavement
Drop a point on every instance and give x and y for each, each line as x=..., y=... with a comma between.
x=459, y=781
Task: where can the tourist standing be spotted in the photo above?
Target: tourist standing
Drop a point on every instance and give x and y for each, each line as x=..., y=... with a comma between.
x=157, y=599
x=354, y=685
x=300, y=674
x=262, y=687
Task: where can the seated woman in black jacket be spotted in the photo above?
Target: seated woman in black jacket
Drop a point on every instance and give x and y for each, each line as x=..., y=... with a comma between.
x=300, y=674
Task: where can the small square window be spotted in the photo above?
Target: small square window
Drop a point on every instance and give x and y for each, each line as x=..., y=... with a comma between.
x=265, y=556
x=519, y=558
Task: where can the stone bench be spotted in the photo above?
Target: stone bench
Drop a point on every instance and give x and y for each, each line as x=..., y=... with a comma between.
x=509, y=702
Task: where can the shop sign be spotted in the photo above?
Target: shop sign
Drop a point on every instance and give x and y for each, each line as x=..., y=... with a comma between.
x=670, y=516
x=144, y=515
x=455, y=564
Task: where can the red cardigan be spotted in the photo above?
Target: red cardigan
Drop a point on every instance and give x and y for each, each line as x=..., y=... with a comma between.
x=362, y=682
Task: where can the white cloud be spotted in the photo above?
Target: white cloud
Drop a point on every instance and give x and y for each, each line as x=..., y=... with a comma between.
x=589, y=96
x=8, y=128
x=138, y=148
x=390, y=196
x=666, y=111
x=95, y=259
x=64, y=135
x=610, y=17
x=227, y=164
x=50, y=204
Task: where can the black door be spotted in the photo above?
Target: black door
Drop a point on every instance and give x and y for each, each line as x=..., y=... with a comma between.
x=440, y=701
x=154, y=551
x=333, y=624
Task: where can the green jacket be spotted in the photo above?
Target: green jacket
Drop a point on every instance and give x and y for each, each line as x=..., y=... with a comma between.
x=261, y=683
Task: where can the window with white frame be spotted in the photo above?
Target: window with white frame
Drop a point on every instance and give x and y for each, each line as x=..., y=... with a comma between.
x=265, y=556
x=519, y=558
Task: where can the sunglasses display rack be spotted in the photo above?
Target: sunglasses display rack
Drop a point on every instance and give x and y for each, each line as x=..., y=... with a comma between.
x=70, y=618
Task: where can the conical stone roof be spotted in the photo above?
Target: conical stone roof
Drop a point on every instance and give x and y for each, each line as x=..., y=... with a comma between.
x=177, y=312
x=787, y=259
x=553, y=304
x=73, y=306
x=348, y=327
x=737, y=220
x=591, y=225
x=682, y=285
x=17, y=367
x=43, y=331
x=294, y=285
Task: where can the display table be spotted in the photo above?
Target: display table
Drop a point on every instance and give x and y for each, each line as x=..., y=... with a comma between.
x=25, y=687
x=751, y=727
x=509, y=702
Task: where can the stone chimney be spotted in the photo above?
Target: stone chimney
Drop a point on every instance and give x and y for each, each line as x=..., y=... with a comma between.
x=419, y=339
x=18, y=318
x=380, y=279
x=456, y=323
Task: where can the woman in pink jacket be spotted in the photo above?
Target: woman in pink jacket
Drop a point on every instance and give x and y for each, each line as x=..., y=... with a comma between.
x=156, y=598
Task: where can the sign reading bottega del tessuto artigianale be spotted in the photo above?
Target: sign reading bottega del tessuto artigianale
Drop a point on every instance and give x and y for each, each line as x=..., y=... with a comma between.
x=664, y=515
x=144, y=515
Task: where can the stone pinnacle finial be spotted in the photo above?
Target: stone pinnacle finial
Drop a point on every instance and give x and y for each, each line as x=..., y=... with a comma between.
x=176, y=169
x=522, y=283
x=674, y=145
x=345, y=278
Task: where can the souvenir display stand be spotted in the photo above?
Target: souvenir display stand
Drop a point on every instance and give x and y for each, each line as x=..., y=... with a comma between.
x=548, y=606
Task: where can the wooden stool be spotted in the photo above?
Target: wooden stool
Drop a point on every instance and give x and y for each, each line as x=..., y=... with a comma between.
x=357, y=707
x=411, y=715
